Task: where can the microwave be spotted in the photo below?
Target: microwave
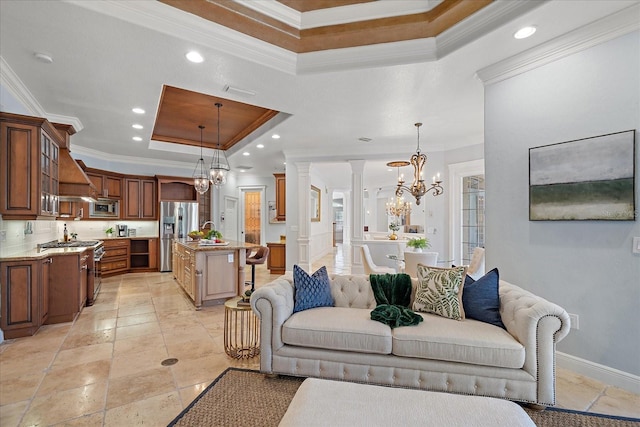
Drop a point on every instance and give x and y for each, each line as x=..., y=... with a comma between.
x=104, y=209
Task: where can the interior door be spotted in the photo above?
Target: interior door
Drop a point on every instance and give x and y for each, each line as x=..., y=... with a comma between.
x=230, y=219
x=252, y=216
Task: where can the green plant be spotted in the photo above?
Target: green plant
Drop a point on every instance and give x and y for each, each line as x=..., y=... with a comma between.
x=215, y=234
x=394, y=226
x=109, y=230
x=419, y=243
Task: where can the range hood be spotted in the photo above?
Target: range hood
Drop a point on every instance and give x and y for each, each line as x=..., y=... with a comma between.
x=74, y=183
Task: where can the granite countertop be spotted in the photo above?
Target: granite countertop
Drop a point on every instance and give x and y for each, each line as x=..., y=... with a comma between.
x=35, y=254
x=194, y=245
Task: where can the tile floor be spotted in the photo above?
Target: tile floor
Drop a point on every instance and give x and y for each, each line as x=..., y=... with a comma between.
x=105, y=368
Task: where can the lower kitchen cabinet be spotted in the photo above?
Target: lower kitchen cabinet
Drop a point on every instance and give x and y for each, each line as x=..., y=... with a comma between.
x=116, y=257
x=24, y=296
x=68, y=286
x=143, y=254
x=277, y=260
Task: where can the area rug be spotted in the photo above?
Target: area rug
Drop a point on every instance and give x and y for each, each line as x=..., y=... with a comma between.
x=249, y=398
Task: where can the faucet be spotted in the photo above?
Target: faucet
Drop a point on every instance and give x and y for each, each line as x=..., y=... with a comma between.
x=213, y=226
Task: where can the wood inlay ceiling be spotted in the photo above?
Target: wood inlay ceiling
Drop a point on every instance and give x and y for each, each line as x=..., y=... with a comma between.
x=182, y=111
x=360, y=33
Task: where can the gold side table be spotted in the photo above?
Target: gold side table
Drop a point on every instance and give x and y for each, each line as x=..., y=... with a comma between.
x=241, y=330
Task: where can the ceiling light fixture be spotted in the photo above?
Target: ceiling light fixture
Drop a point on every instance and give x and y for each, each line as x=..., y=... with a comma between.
x=194, y=57
x=525, y=32
x=138, y=110
x=219, y=163
x=418, y=188
x=260, y=146
x=137, y=138
x=246, y=153
x=137, y=126
x=275, y=136
x=200, y=176
x=398, y=207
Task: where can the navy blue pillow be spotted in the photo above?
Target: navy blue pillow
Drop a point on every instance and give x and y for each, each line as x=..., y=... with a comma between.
x=311, y=291
x=481, y=300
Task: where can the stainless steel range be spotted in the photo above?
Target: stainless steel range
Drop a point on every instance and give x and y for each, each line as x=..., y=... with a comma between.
x=94, y=278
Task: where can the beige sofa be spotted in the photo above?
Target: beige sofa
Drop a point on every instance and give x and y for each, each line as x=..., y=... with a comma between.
x=467, y=357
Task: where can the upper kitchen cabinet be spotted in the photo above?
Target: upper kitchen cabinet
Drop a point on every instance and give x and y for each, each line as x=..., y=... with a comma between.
x=108, y=186
x=140, y=199
x=29, y=165
x=281, y=196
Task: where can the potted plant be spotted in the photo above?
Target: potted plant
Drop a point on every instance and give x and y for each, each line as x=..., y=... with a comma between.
x=394, y=226
x=109, y=231
x=419, y=243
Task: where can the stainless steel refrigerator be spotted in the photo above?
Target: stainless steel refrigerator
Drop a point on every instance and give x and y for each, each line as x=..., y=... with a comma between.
x=177, y=219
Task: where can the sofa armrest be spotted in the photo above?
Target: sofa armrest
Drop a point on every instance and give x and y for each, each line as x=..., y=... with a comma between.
x=273, y=304
x=538, y=325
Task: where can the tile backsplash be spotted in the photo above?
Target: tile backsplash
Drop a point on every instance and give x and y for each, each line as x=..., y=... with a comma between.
x=16, y=240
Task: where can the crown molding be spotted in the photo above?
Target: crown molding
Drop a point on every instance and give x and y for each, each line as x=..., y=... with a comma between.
x=10, y=80
x=276, y=10
x=482, y=22
x=378, y=55
x=67, y=120
x=102, y=156
x=160, y=17
x=610, y=27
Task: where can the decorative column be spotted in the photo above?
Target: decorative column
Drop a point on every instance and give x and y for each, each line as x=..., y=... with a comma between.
x=357, y=215
x=304, y=215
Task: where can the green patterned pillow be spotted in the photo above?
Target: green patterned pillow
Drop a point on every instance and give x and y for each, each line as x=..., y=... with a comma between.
x=440, y=291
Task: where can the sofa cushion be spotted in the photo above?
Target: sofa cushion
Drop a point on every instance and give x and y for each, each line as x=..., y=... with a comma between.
x=468, y=341
x=440, y=291
x=337, y=328
x=311, y=291
x=481, y=300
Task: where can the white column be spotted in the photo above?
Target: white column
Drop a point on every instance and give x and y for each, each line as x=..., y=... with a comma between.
x=304, y=215
x=357, y=214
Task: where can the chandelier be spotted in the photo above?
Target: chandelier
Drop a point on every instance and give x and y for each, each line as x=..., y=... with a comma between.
x=398, y=207
x=200, y=177
x=418, y=187
x=219, y=163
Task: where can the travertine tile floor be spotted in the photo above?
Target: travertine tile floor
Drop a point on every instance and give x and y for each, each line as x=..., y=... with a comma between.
x=105, y=368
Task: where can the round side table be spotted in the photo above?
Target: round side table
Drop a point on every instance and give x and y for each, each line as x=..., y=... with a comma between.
x=241, y=330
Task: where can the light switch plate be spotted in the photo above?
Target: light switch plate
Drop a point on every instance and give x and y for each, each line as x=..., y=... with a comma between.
x=575, y=321
x=636, y=245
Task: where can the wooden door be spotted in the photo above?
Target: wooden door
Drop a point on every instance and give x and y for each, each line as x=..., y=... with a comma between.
x=252, y=216
x=20, y=160
x=132, y=202
x=281, y=196
x=148, y=208
x=113, y=186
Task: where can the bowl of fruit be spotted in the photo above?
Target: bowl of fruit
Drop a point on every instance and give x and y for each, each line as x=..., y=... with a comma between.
x=196, y=235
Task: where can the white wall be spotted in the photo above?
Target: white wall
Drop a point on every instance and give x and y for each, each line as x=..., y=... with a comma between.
x=587, y=267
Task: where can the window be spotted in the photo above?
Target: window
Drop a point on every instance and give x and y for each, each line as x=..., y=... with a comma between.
x=472, y=232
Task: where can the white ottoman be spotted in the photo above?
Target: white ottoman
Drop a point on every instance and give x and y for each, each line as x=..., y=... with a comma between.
x=335, y=403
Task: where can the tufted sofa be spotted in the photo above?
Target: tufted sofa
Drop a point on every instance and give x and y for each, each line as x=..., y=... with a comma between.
x=467, y=357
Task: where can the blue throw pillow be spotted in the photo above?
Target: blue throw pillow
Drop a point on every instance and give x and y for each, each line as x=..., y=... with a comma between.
x=311, y=291
x=481, y=300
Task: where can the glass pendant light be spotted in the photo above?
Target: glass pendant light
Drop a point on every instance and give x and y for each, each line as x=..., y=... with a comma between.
x=219, y=163
x=200, y=178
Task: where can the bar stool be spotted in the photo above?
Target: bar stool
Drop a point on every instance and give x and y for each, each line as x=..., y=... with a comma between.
x=260, y=257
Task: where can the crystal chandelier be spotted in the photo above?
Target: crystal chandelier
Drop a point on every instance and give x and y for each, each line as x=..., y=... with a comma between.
x=418, y=187
x=219, y=163
x=200, y=177
x=398, y=207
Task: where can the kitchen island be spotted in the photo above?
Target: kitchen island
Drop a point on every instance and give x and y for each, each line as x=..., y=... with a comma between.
x=209, y=274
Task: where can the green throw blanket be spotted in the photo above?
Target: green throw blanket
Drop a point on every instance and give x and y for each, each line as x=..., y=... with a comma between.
x=393, y=296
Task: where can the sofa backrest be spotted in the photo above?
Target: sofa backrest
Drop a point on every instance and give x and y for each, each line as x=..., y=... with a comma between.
x=355, y=291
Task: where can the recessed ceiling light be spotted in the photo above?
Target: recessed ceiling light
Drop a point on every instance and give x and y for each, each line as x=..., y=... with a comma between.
x=275, y=136
x=137, y=138
x=389, y=170
x=525, y=32
x=246, y=153
x=43, y=57
x=260, y=145
x=138, y=110
x=137, y=126
x=242, y=170
x=194, y=56
x=284, y=163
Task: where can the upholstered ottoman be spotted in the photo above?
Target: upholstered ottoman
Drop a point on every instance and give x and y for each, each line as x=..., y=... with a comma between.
x=335, y=403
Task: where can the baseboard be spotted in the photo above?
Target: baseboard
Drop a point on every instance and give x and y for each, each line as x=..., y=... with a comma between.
x=599, y=372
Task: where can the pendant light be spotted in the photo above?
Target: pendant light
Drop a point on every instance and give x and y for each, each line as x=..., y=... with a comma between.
x=200, y=177
x=418, y=187
x=219, y=163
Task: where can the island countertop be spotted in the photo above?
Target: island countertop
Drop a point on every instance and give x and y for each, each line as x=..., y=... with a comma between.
x=196, y=246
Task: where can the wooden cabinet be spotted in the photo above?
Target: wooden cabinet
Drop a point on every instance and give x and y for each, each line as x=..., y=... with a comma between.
x=68, y=286
x=29, y=157
x=107, y=185
x=24, y=294
x=277, y=261
x=184, y=268
x=222, y=269
x=281, y=196
x=116, y=257
x=143, y=254
x=140, y=199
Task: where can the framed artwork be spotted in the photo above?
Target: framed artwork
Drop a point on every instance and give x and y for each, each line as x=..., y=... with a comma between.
x=315, y=204
x=585, y=179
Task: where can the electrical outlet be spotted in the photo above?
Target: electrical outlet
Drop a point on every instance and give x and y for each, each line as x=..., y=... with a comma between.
x=636, y=245
x=575, y=321
x=3, y=236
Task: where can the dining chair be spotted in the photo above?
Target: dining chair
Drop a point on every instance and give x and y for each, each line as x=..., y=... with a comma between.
x=412, y=259
x=476, y=265
x=369, y=266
